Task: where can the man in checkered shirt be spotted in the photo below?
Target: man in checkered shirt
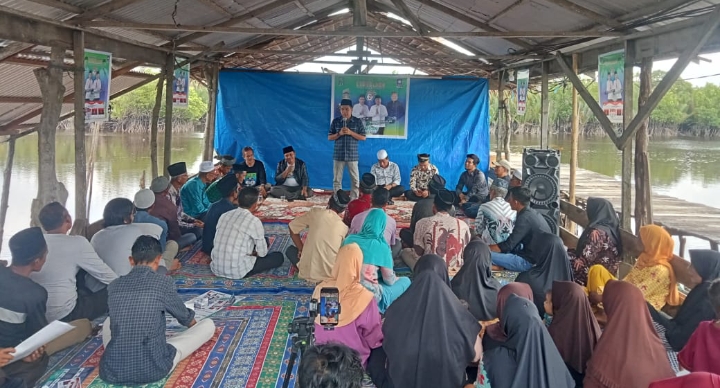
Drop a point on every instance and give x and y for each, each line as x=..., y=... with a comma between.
x=346, y=131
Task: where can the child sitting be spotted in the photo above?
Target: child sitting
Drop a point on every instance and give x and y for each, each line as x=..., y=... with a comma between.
x=137, y=352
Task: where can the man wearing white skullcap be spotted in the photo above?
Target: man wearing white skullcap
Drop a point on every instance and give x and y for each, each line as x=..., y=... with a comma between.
x=194, y=200
x=387, y=175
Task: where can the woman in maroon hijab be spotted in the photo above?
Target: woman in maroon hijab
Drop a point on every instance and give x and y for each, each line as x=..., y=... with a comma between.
x=629, y=353
x=495, y=334
x=693, y=380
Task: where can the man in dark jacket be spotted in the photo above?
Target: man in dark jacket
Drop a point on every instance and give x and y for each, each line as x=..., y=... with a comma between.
x=291, y=178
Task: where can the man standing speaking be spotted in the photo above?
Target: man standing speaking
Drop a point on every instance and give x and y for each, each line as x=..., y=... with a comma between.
x=346, y=131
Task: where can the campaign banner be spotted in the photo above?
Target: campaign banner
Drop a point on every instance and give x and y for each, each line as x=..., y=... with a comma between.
x=379, y=101
x=181, y=83
x=611, y=75
x=98, y=73
x=523, y=78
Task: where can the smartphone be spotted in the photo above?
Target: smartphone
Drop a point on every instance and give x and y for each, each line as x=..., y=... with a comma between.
x=329, y=306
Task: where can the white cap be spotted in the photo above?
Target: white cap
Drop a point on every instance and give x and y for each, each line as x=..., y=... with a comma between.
x=382, y=154
x=503, y=163
x=206, y=166
x=517, y=174
x=144, y=199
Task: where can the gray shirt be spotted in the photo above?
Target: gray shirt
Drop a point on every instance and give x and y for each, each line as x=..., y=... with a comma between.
x=66, y=256
x=114, y=244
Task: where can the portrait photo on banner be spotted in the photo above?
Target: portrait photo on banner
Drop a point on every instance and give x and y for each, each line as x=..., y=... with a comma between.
x=98, y=69
x=381, y=102
x=611, y=75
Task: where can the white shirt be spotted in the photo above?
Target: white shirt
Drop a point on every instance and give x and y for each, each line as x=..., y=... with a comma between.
x=378, y=113
x=360, y=111
x=238, y=233
x=114, y=244
x=386, y=176
x=66, y=256
x=290, y=180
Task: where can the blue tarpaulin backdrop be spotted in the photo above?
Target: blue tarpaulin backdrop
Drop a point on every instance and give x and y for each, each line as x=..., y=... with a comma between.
x=447, y=118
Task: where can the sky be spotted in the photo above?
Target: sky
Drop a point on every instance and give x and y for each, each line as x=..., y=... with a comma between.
x=696, y=73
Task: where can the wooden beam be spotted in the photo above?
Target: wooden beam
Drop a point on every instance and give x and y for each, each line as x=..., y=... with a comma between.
x=407, y=14
x=102, y=10
x=692, y=50
x=587, y=13
x=500, y=115
x=212, y=73
x=154, y=127
x=461, y=57
x=588, y=98
x=643, y=189
x=402, y=64
x=12, y=49
x=545, y=108
x=351, y=32
x=79, y=123
x=169, y=78
x=575, y=135
x=360, y=12
x=504, y=11
x=627, y=152
x=59, y=5
x=7, y=176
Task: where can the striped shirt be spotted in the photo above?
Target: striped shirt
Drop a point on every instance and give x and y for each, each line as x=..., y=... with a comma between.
x=495, y=221
x=386, y=176
x=238, y=234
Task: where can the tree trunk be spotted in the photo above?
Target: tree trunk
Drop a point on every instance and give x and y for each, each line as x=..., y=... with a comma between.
x=211, y=76
x=154, y=127
x=6, y=186
x=169, y=78
x=50, y=80
x=506, y=132
x=643, y=194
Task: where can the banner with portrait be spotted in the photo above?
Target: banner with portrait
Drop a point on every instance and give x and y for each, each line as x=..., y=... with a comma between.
x=611, y=75
x=379, y=101
x=181, y=83
x=98, y=73
x=523, y=78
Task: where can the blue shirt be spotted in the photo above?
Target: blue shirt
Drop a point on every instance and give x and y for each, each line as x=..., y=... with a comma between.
x=143, y=217
x=346, y=146
x=211, y=220
x=194, y=200
x=138, y=352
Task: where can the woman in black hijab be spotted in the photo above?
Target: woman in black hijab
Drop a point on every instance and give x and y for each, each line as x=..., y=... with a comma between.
x=600, y=242
x=474, y=282
x=697, y=307
x=430, y=337
x=529, y=357
x=552, y=264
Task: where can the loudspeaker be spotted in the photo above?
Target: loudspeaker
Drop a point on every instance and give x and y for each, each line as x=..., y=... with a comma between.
x=541, y=174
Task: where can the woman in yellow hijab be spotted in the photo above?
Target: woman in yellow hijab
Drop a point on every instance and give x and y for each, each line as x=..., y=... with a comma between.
x=652, y=273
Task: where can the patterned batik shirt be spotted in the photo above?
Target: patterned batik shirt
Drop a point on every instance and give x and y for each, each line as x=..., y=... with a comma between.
x=442, y=235
x=420, y=179
x=495, y=221
x=184, y=220
x=346, y=146
x=386, y=176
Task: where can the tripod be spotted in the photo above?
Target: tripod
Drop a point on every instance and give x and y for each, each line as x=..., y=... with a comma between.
x=303, y=331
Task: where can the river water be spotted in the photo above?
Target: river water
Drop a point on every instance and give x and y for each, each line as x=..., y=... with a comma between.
x=685, y=168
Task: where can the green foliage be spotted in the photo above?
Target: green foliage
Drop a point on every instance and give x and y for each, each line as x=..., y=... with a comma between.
x=140, y=102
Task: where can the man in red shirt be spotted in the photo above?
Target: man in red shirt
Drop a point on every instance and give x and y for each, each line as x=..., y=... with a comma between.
x=357, y=206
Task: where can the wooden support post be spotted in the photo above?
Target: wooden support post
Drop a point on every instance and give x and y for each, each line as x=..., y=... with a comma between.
x=169, y=78
x=212, y=74
x=50, y=80
x=7, y=175
x=154, y=127
x=575, y=140
x=81, y=220
x=683, y=244
x=643, y=191
x=545, y=110
x=627, y=158
x=500, y=116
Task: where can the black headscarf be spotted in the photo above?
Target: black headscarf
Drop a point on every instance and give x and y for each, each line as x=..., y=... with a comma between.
x=429, y=335
x=601, y=216
x=435, y=264
x=474, y=282
x=552, y=264
x=697, y=306
x=529, y=357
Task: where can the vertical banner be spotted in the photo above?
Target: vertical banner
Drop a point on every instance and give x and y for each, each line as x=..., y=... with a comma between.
x=611, y=75
x=181, y=82
x=380, y=101
x=523, y=78
x=98, y=73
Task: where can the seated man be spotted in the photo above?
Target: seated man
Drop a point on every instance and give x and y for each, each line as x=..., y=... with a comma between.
x=380, y=198
x=254, y=172
x=144, y=202
x=441, y=234
x=291, y=178
x=166, y=210
x=227, y=187
x=423, y=209
x=23, y=309
x=474, y=181
x=514, y=253
x=178, y=178
x=364, y=202
x=222, y=168
x=69, y=260
x=114, y=241
x=194, y=199
x=240, y=249
x=387, y=175
x=330, y=365
x=326, y=232
x=136, y=349
x=420, y=178
x=503, y=168
x=494, y=220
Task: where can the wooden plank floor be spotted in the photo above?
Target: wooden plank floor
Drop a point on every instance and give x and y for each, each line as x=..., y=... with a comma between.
x=670, y=211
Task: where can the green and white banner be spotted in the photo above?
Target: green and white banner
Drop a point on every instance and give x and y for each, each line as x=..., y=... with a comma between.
x=98, y=73
x=611, y=75
x=181, y=83
x=523, y=78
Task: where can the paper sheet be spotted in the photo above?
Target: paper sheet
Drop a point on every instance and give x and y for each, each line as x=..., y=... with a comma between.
x=216, y=301
x=48, y=333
